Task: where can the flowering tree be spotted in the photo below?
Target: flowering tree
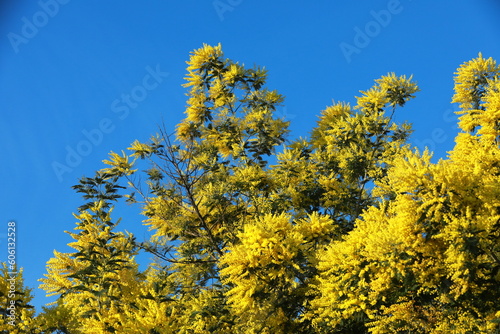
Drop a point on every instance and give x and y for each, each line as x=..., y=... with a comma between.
x=349, y=230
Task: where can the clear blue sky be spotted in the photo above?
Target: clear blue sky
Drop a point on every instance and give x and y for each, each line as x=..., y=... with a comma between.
x=70, y=70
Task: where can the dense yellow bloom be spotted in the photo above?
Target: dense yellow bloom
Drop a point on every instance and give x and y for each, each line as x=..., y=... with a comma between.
x=390, y=90
x=17, y=315
x=472, y=86
x=348, y=231
x=265, y=266
x=427, y=260
x=120, y=164
x=471, y=81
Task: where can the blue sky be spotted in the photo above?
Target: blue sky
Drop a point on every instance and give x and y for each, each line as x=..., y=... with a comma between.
x=79, y=79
